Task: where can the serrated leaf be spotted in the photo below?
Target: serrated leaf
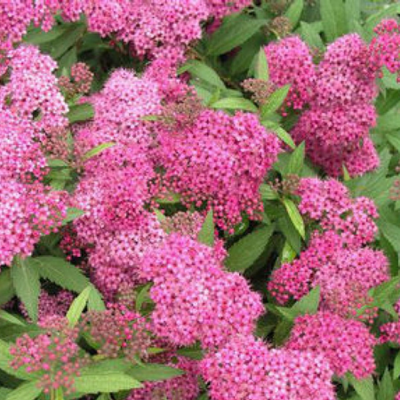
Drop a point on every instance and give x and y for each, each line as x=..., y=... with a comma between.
x=295, y=216
x=142, y=296
x=233, y=33
x=104, y=382
x=202, y=71
x=26, y=282
x=353, y=13
x=4, y=392
x=62, y=273
x=246, y=251
x=391, y=233
x=77, y=307
x=275, y=101
x=7, y=291
x=235, y=103
x=97, y=150
x=66, y=40
x=294, y=12
x=26, y=391
x=261, y=70
x=11, y=318
x=154, y=372
x=296, y=161
x=206, y=234
x=333, y=18
x=364, y=387
x=80, y=113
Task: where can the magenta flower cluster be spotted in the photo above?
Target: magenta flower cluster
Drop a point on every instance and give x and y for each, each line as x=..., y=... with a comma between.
x=339, y=93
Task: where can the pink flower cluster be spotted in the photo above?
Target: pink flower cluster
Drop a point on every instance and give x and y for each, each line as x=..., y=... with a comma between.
x=329, y=203
x=335, y=259
x=346, y=344
x=344, y=275
x=195, y=299
x=118, y=331
x=29, y=208
x=32, y=91
x=290, y=62
x=51, y=305
x=54, y=354
x=148, y=25
x=184, y=387
x=244, y=368
x=225, y=168
x=339, y=92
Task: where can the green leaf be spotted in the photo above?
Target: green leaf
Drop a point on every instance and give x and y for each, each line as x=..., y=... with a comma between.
x=204, y=72
x=396, y=366
x=59, y=394
x=391, y=233
x=386, y=389
x=311, y=35
x=77, y=307
x=353, y=13
x=206, y=234
x=261, y=70
x=296, y=160
x=364, y=387
x=72, y=214
x=62, y=273
x=26, y=282
x=38, y=36
x=280, y=132
x=294, y=12
x=389, y=122
x=27, y=391
x=195, y=353
x=275, y=101
x=142, y=296
x=97, y=150
x=7, y=291
x=80, y=113
x=333, y=18
x=246, y=251
x=309, y=303
x=373, y=20
x=11, y=318
x=154, y=372
x=4, y=392
x=104, y=382
x=295, y=216
x=267, y=193
x=233, y=33
x=235, y=103
x=66, y=40
x=95, y=301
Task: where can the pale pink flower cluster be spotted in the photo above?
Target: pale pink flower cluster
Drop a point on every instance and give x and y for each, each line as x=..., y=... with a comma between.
x=32, y=91
x=55, y=353
x=195, y=298
x=226, y=167
x=346, y=344
x=245, y=368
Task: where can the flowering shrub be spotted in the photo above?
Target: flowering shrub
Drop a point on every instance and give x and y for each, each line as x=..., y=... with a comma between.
x=199, y=200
